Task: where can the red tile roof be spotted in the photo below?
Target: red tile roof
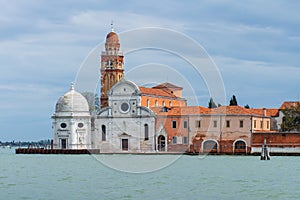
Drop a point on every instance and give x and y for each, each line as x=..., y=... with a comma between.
x=270, y=112
x=231, y=110
x=222, y=110
x=168, y=86
x=156, y=92
x=183, y=110
x=289, y=104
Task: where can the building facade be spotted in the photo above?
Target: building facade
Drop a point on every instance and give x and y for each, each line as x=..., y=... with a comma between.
x=125, y=125
x=157, y=119
x=72, y=122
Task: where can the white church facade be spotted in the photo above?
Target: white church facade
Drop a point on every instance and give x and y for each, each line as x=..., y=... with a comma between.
x=123, y=126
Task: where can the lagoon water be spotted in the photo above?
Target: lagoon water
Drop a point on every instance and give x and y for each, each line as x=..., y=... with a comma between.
x=188, y=177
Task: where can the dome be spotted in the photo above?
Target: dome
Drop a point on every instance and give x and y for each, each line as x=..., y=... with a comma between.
x=112, y=37
x=72, y=101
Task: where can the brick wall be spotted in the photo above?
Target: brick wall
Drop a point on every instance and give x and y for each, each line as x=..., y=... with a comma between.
x=276, y=139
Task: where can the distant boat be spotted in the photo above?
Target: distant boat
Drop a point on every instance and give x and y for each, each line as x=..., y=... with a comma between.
x=264, y=151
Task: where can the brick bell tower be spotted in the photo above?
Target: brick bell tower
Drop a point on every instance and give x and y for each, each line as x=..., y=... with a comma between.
x=112, y=65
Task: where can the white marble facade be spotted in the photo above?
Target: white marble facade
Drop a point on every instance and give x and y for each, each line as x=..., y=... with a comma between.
x=72, y=122
x=125, y=125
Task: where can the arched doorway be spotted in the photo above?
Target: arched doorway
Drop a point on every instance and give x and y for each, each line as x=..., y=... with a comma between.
x=240, y=146
x=210, y=146
x=161, y=143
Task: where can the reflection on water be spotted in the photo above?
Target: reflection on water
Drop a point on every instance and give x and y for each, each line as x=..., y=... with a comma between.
x=189, y=177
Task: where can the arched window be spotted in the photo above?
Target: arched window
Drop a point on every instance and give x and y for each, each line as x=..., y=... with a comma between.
x=103, y=128
x=210, y=145
x=240, y=145
x=146, y=132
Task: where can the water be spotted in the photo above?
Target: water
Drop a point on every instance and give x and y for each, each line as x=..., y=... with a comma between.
x=84, y=177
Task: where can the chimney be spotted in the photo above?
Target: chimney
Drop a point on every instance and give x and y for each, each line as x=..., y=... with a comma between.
x=265, y=112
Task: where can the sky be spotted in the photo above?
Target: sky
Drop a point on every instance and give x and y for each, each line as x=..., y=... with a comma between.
x=254, y=44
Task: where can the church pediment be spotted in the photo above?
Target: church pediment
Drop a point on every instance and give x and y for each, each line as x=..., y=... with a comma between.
x=124, y=135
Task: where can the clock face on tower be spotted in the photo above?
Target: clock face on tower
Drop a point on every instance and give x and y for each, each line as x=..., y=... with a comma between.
x=125, y=107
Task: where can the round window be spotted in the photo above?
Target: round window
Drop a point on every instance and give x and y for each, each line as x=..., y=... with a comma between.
x=63, y=125
x=125, y=107
x=80, y=125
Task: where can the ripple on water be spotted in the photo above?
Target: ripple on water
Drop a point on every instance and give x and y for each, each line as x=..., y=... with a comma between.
x=66, y=178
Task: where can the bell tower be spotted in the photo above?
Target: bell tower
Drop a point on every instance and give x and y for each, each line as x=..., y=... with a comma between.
x=112, y=65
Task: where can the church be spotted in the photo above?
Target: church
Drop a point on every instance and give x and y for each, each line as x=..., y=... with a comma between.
x=135, y=119
x=125, y=122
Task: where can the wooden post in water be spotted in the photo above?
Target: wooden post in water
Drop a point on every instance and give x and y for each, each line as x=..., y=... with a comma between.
x=264, y=151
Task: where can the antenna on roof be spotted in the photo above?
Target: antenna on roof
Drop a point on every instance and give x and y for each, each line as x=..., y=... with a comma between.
x=112, y=26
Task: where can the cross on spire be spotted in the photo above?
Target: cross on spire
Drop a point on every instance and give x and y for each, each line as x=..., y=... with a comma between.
x=112, y=26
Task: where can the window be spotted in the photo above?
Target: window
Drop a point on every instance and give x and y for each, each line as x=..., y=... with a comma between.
x=170, y=103
x=268, y=124
x=156, y=103
x=197, y=123
x=80, y=125
x=103, y=128
x=179, y=140
x=227, y=123
x=173, y=124
x=254, y=124
x=174, y=140
x=63, y=125
x=163, y=103
x=240, y=145
x=215, y=123
x=146, y=132
x=185, y=124
x=185, y=140
x=241, y=123
x=261, y=124
x=148, y=103
x=125, y=107
x=210, y=145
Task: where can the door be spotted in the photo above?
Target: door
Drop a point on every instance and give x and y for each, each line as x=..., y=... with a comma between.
x=124, y=144
x=63, y=143
x=161, y=143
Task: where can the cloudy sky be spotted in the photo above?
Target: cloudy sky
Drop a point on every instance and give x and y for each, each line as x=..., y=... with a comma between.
x=254, y=44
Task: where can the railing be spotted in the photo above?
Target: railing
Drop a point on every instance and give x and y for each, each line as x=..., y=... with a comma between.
x=105, y=53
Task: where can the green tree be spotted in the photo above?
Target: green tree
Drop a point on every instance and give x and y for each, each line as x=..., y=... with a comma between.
x=233, y=101
x=211, y=103
x=247, y=106
x=291, y=119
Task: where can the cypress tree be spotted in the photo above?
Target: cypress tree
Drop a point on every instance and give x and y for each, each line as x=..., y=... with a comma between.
x=233, y=101
x=211, y=103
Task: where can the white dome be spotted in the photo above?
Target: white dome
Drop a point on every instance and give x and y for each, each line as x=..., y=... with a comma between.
x=72, y=101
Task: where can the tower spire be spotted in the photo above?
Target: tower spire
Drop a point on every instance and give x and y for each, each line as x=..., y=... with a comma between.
x=112, y=65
